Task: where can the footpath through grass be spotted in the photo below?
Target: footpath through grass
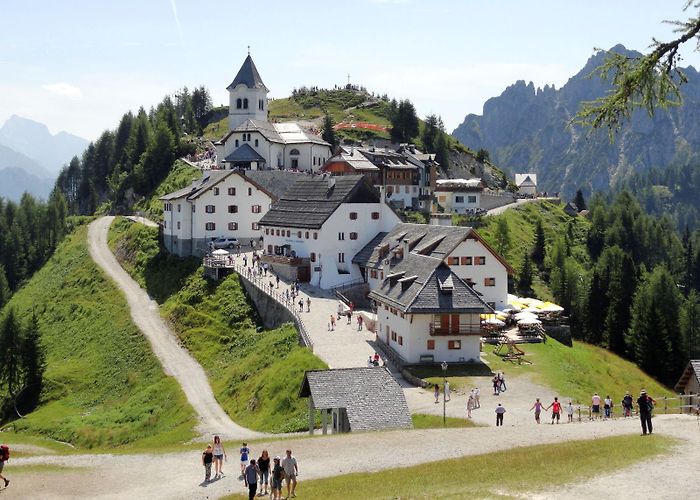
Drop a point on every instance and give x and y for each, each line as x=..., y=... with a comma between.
x=255, y=373
x=103, y=385
x=502, y=474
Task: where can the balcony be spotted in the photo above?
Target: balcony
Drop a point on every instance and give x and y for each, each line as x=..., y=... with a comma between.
x=437, y=331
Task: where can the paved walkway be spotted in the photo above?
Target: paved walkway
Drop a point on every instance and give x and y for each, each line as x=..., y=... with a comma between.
x=176, y=360
x=517, y=203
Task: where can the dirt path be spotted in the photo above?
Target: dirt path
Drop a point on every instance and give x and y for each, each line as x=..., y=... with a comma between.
x=176, y=361
x=178, y=475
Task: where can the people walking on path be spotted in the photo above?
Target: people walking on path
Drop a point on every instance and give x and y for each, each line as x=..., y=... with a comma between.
x=207, y=459
x=607, y=406
x=250, y=477
x=477, y=397
x=4, y=457
x=496, y=386
x=359, y=322
x=570, y=412
x=447, y=390
x=370, y=362
x=348, y=315
x=595, y=406
x=244, y=451
x=627, y=404
x=556, y=410
x=502, y=382
x=308, y=304
x=537, y=406
x=291, y=471
x=500, y=410
x=264, y=468
x=436, y=393
x=470, y=405
x=645, y=406
x=219, y=456
x=301, y=305
x=332, y=322
x=276, y=482
x=340, y=310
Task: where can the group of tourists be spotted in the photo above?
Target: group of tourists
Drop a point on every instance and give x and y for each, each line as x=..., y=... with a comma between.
x=499, y=383
x=255, y=474
x=556, y=408
x=347, y=314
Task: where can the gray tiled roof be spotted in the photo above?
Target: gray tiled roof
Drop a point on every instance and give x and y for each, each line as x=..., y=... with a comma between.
x=276, y=182
x=692, y=370
x=422, y=284
x=208, y=179
x=372, y=398
x=244, y=153
x=363, y=255
x=310, y=200
x=248, y=75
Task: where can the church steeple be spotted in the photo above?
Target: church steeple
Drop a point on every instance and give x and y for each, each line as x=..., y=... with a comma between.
x=247, y=95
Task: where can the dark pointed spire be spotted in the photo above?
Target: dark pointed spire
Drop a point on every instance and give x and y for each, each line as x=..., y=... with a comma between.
x=248, y=75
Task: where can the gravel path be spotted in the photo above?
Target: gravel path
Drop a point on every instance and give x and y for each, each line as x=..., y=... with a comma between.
x=178, y=475
x=176, y=361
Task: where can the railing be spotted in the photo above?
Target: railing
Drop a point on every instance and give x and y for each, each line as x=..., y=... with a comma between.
x=436, y=331
x=582, y=412
x=347, y=285
x=262, y=284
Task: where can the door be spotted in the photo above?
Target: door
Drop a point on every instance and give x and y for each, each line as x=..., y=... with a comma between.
x=304, y=274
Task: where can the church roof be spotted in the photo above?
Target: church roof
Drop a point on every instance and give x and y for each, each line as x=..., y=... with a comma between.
x=282, y=133
x=527, y=180
x=248, y=75
x=244, y=153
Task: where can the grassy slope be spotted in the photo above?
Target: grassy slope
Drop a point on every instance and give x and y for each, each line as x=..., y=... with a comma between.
x=255, y=374
x=509, y=473
x=103, y=385
x=180, y=176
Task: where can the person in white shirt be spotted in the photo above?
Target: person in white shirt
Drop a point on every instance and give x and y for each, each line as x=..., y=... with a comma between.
x=570, y=412
x=291, y=471
x=477, y=402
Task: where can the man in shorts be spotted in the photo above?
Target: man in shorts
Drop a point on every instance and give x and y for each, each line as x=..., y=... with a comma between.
x=595, y=406
x=291, y=471
x=556, y=410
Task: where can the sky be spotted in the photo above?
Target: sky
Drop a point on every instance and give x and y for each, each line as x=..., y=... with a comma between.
x=79, y=65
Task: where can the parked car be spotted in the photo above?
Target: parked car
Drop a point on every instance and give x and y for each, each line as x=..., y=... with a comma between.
x=223, y=243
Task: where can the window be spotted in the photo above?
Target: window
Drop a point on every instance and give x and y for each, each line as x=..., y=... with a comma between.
x=289, y=233
x=269, y=248
x=454, y=344
x=210, y=226
x=353, y=215
x=233, y=209
x=193, y=208
x=393, y=335
x=250, y=191
x=166, y=207
x=236, y=142
x=314, y=161
x=216, y=191
x=431, y=345
x=255, y=209
x=375, y=215
x=479, y=261
x=466, y=261
x=239, y=103
x=312, y=256
x=489, y=281
x=471, y=199
x=307, y=235
x=400, y=340
x=341, y=236
x=453, y=261
x=248, y=138
x=210, y=209
x=256, y=143
x=245, y=103
x=353, y=236
x=179, y=207
x=341, y=257
x=373, y=274
x=232, y=191
x=408, y=189
x=442, y=199
x=178, y=224
x=299, y=234
x=459, y=199
x=278, y=232
x=267, y=231
x=294, y=152
x=315, y=236
x=254, y=226
x=261, y=106
x=233, y=226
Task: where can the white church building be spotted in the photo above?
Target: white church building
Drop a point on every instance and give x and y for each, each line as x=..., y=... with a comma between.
x=253, y=142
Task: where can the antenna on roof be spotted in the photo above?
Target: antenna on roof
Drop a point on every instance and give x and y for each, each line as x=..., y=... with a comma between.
x=248, y=49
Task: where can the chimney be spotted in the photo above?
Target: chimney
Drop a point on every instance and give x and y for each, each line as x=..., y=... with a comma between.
x=331, y=182
x=405, y=247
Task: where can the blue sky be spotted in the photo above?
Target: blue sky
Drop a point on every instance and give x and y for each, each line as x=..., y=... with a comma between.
x=79, y=65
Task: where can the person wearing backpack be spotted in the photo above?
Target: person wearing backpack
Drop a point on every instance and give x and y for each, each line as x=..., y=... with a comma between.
x=4, y=457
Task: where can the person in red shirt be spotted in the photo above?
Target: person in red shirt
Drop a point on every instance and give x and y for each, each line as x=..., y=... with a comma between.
x=556, y=409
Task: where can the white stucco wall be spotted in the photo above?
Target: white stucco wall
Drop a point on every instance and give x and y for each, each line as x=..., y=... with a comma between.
x=492, y=268
x=238, y=116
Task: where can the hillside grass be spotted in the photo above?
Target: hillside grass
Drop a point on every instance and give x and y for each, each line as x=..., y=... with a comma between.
x=103, y=385
x=503, y=474
x=255, y=373
x=180, y=175
x=573, y=372
x=427, y=421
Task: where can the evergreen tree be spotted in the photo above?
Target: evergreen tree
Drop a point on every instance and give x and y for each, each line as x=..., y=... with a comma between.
x=653, y=338
x=483, y=155
x=579, y=201
x=430, y=133
x=596, y=234
x=538, y=250
x=503, y=239
x=11, y=353
x=4, y=287
x=525, y=276
x=690, y=326
x=33, y=366
x=328, y=134
x=596, y=306
x=404, y=122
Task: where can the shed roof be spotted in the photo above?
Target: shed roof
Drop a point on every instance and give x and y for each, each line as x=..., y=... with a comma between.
x=244, y=153
x=372, y=398
x=692, y=370
x=312, y=199
x=248, y=75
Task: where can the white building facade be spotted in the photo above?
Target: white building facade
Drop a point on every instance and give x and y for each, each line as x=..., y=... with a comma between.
x=459, y=195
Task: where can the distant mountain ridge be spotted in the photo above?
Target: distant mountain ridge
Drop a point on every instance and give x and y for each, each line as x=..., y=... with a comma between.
x=525, y=130
x=34, y=140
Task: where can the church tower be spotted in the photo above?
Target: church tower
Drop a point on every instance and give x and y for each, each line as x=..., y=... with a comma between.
x=247, y=95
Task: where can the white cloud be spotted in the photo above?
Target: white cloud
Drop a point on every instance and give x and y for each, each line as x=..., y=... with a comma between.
x=64, y=89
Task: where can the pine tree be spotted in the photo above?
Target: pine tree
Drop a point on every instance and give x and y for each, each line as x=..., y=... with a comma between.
x=404, y=122
x=328, y=134
x=4, y=287
x=596, y=306
x=33, y=366
x=10, y=353
x=690, y=325
x=525, y=276
x=579, y=201
x=538, y=250
x=503, y=239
